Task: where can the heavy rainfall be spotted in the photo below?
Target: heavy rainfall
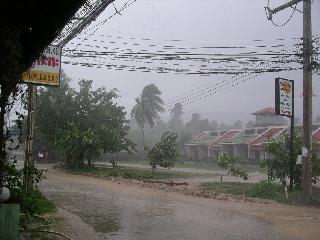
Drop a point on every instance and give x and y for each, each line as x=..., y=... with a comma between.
x=145, y=119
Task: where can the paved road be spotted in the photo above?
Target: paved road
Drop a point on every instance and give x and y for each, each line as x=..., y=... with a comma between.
x=121, y=211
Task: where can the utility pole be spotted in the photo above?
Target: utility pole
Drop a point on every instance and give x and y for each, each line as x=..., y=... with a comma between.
x=307, y=89
x=29, y=159
x=307, y=97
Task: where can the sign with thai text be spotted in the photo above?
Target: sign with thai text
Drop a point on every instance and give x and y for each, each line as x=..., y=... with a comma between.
x=46, y=69
x=284, y=97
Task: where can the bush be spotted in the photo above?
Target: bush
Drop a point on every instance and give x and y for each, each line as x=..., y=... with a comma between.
x=278, y=164
x=265, y=189
x=227, y=161
x=32, y=202
x=164, y=153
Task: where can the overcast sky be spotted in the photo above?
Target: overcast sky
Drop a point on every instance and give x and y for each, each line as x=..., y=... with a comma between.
x=198, y=22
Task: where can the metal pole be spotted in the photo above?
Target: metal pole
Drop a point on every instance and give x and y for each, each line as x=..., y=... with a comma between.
x=307, y=96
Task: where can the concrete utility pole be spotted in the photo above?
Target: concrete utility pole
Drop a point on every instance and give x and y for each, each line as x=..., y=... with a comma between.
x=307, y=97
x=307, y=88
x=29, y=159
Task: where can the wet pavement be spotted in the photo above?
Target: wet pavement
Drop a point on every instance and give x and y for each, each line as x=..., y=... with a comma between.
x=116, y=212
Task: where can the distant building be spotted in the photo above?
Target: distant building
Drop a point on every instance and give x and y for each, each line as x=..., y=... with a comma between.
x=198, y=147
x=267, y=117
x=316, y=135
x=247, y=144
x=218, y=146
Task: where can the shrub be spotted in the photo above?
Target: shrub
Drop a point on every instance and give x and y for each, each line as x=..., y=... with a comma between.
x=164, y=153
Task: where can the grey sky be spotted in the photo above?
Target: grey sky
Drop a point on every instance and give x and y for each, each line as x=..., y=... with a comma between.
x=227, y=22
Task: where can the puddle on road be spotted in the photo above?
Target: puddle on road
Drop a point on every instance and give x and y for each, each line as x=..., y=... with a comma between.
x=107, y=226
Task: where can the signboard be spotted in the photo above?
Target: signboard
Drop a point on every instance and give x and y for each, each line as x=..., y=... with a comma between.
x=46, y=69
x=284, y=97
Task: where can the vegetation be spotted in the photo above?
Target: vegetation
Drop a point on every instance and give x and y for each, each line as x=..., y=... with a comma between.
x=147, y=108
x=278, y=165
x=175, y=123
x=31, y=201
x=131, y=173
x=82, y=123
x=164, y=153
x=264, y=190
x=227, y=161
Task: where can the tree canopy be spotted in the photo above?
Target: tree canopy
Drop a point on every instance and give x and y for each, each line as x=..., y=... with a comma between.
x=148, y=108
x=81, y=123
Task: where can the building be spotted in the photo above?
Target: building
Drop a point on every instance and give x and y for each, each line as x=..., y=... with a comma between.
x=267, y=117
x=217, y=146
x=241, y=143
x=247, y=144
x=257, y=147
x=198, y=147
x=316, y=135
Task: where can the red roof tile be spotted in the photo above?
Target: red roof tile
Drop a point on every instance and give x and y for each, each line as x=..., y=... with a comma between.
x=316, y=135
x=270, y=133
x=227, y=136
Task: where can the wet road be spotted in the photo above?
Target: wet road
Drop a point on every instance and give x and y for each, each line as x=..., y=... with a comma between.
x=131, y=212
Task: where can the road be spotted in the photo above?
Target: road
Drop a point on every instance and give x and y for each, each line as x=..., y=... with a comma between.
x=105, y=209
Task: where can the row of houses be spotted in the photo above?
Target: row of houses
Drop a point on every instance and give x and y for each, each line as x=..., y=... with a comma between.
x=248, y=144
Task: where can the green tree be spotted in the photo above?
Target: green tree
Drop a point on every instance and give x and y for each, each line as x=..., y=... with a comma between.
x=165, y=152
x=55, y=109
x=175, y=123
x=82, y=123
x=278, y=163
x=227, y=161
x=147, y=108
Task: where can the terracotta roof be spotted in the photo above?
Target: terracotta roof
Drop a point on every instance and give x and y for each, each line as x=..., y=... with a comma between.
x=225, y=137
x=316, y=135
x=268, y=110
x=269, y=134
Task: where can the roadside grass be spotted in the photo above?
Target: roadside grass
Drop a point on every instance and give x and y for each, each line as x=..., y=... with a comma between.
x=132, y=173
x=32, y=202
x=199, y=165
x=265, y=190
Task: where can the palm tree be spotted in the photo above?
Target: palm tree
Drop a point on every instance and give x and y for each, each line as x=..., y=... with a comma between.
x=176, y=111
x=147, y=108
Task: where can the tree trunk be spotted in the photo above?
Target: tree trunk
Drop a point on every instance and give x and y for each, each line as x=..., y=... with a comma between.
x=2, y=147
x=3, y=103
x=143, y=140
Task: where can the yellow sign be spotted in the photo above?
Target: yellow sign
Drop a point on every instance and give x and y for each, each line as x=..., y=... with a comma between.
x=46, y=69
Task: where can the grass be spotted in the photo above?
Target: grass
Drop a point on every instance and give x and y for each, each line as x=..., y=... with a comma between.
x=32, y=202
x=200, y=165
x=132, y=173
x=265, y=190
